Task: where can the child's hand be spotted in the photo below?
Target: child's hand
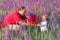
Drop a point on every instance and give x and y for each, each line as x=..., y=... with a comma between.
x=40, y=25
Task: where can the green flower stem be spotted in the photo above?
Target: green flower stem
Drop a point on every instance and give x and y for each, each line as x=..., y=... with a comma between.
x=36, y=32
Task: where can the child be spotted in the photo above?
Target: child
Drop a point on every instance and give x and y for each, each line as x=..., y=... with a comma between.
x=43, y=24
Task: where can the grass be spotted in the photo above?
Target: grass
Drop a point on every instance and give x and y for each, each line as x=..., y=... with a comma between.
x=37, y=35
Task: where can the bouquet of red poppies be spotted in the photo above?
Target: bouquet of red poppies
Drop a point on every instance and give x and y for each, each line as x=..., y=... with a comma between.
x=32, y=18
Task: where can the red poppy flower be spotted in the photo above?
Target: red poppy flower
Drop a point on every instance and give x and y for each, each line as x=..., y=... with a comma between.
x=33, y=20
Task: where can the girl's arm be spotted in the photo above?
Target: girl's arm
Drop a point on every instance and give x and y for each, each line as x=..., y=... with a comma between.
x=40, y=25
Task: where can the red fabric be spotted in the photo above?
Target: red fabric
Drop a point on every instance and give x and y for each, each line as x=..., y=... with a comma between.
x=13, y=18
x=34, y=20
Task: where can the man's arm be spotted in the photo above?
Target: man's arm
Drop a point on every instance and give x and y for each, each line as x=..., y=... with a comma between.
x=24, y=23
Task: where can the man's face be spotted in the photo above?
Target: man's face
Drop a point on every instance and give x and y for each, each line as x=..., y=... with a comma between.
x=22, y=12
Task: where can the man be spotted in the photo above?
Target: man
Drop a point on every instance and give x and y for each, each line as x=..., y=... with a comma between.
x=14, y=18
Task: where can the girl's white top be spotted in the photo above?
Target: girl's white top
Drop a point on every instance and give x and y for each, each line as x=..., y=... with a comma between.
x=44, y=27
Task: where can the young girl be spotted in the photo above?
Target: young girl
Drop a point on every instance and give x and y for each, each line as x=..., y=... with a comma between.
x=43, y=24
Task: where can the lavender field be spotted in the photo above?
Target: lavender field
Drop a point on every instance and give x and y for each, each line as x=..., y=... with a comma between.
x=50, y=7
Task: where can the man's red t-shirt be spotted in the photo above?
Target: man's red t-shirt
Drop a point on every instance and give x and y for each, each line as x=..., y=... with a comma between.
x=13, y=18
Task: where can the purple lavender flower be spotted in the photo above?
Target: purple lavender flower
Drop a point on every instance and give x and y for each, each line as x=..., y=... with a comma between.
x=28, y=37
x=22, y=29
x=55, y=18
x=1, y=6
x=1, y=18
x=30, y=15
x=7, y=35
x=56, y=33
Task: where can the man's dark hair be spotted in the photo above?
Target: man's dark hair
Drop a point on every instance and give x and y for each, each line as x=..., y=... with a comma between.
x=21, y=8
